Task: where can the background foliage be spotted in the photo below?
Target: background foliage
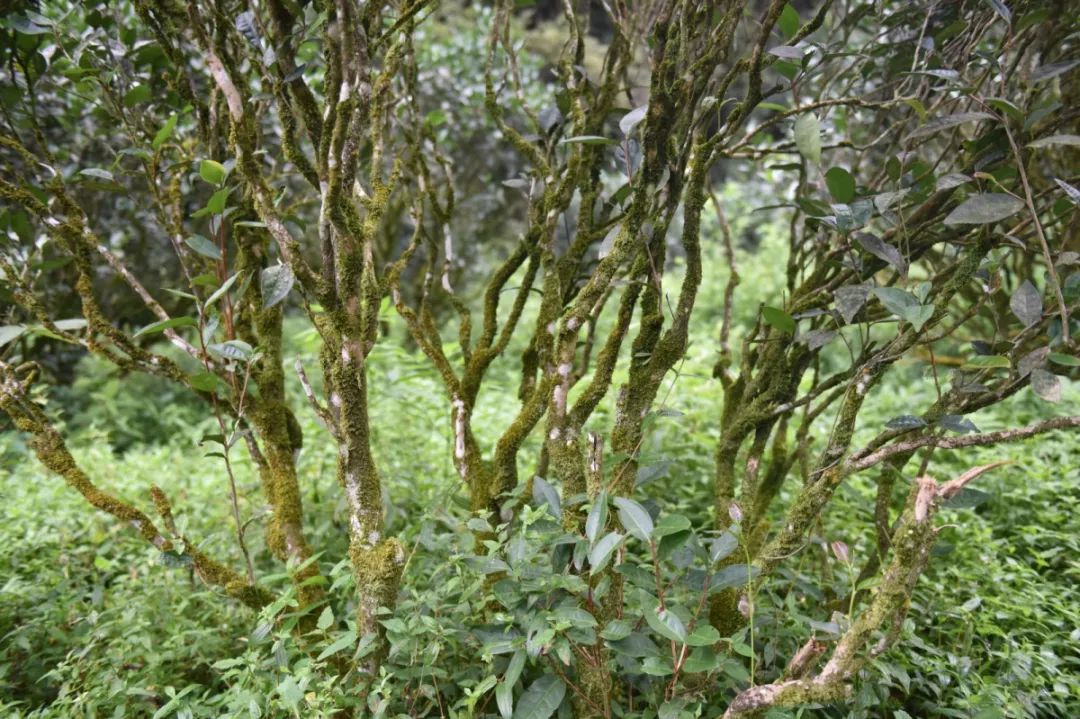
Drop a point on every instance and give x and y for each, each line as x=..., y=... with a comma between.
x=489, y=611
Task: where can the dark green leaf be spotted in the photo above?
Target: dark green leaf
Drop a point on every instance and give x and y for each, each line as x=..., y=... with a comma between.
x=1046, y=385
x=275, y=282
x=906, y=421
x=137, y=95
x=734, y=575
x=723, y=546
x=601, y=553
x=1052, y=70
x=1026, y=303
x=841, y=184
x=634, y=518
x=967, y=498
x=957, y=423
x=541, y=699
x=984, y=209
x=348, y=639
x=203, y=246
x=545, y=495
x=666, y=623
x=1052, y=140
x=943, y=123
x=850, y=299
x=876, y=247
x=245, y=23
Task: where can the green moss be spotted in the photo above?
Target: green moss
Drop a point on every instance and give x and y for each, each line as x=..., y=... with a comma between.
x=377, y=569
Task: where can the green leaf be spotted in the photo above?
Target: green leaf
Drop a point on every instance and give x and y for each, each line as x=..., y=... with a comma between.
x=1027, y=303
x=984, y=209
x=671, y=524
x=704, y=635
x=896, y=300
x=723, y=546
x=670, y=543
x=245, y=23
x=878, y=248
x=734, y=575
x=601, y=553
x=778, y=318
x=166, y=131
x=1073, y=140
x=967, y=498
x=808, y=136
x=587, y=140
x=788, y=53
x=175, y=559
x=943, y=123
x=76, y=323
x=789, y=21
x=1052, y=70
x=541, y=699
x=163, y=325
x=957, y=423
x=212, y=172
x=275, y=282
x=841, y=184
x=221, y=290
x=702, y=660
x=545, y=494
x=514, y=668
x=1001, y=9
x=216, y=203
x=1071, y=192
x=597, y=519
x=631, y=119
x=988, y=362
x=233, y=350
x=504, y=700
x=348, y=639
x=137, y=95
x=326, y=619
x=1064, y=360
x=918, y=316
x=10, y=333
x=617, y=629
x=98, y=173
x=634, y=518
x=1046, y=385
x=203, y=246
x=203, y=381
x=666, y=623
x=850, y=299
x=905, y=421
